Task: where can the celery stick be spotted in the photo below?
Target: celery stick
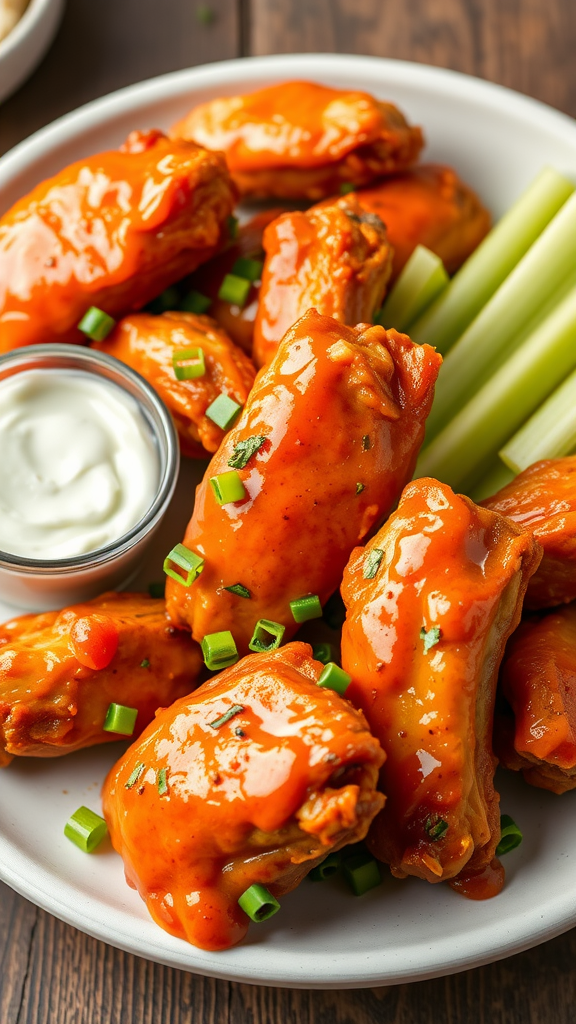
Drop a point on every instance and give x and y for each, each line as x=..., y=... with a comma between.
x=496, y=331
x=483, y=272
x=549, y=433
x=497, y=477
x=459, y=453
x=422, y=278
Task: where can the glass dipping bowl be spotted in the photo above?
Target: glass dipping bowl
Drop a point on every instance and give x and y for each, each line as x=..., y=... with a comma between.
x=40, y=585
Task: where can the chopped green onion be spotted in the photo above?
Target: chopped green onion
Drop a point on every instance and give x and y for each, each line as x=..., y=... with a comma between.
x=244, y=450
x=239, y=589
x=267, y=635
x=145, y=663
x=86, y=829
x=550, y=432
x=485, y=270
x=334, y=678
x=236, y=709
x=234, y=290
x=362, y=873
x=135, y=775
x=346, y=187
x=334, y=612
x=435, y=828
x=510, y=835
x=227, y=487
x=219, y=650
x=162, y=782
x=169, y=299
x=258, y=903
x=326, y=869
x=232, y=226
x=431, y=637
x=372, y=563
x=96, y=324
x=120, y=719
x=188, y=363
x=223, y=411
x=185, y=559
x=421, y=280
x=365, y=442
x=359, y=488
x=250, y=270
x=307, y=607
x=195, y=302
x=156, y=589
x=323, y=652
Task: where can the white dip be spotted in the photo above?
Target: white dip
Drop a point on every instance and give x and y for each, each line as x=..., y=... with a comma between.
x=10, y=13
x=78, y=464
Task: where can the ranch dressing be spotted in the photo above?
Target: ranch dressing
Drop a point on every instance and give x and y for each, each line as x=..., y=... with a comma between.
x=78, y=463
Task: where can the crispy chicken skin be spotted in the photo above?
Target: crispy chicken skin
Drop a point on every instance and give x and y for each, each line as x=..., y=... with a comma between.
x=542, y=500
x=446, y=565
x=112, y=231
x=147, y=344
x=334, y=257
x=538, y=679
x=261, y=798
x=341, y=414
x=301, y=140
x=428, y=205
x=60, y=671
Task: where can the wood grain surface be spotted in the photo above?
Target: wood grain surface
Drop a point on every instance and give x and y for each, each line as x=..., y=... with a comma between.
x=49, y=972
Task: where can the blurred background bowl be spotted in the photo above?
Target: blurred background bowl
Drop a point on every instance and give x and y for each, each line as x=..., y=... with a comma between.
x=24, y=47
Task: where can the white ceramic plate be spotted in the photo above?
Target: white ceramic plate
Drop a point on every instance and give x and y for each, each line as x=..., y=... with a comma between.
x=24, y=47
x=324, y=937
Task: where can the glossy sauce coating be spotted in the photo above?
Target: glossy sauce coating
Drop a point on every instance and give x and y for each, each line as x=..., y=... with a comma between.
x=334, y=258
x=147, y=343
x=259, y=798
x=112, y=231
x=428, y=205
x=342, y=413
x=303, y=140
x=542, y=500
x=60, y=671
x=538, y=679
x=446, y=565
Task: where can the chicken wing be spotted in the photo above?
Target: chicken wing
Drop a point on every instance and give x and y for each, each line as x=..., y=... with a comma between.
x=538, y=680
x=328, y=438
x=148, y=343
x=542, y=500
x=428, y=205
x=335, y=258
x=431, y=601
x=112, y=231
x=253, y=779
x=60, y=671
x=301, y=140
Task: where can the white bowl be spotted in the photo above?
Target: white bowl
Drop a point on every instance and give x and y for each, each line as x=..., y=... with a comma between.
x=324, y=937
x=24, y=47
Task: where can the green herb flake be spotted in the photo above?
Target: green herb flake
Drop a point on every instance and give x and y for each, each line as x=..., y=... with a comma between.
x=161, y=782
x=240, y=590
x=346, y=187
x=232, y=225
x=234, y=710
x=430, y=637
x=365, y=442
x=359, y=488
x=135, y=775
x=244, y=451
x=435, y=828
x=145, y=663
x=372, y=563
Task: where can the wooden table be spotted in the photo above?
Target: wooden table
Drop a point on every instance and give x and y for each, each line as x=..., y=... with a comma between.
x=50, y=973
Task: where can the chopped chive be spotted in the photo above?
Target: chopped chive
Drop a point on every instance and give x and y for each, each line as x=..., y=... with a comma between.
x=365, y=442
x=235, y=710
x=430, y=637
x=372, y=563
x=359, y=488
x=307, y=607
x=326, y=869
x=232, y=226
x=323, y=653
x=96, y=324
x=234, y=290
x=362, y=873
x=135, y=775
x=219, y=650
x=227, y=487
x=250, y=270
x=195, y=302
x=145, y=663
x=258, y=903
x=334, y=613
x=510, y=835
x=86, y=829
x=185, y=559
x=346, y=187
x=223, y=411
x=188, y=363
x=244, y=450
x=162, y=782
x=156, y=589
x=239, y=589
x=435, y=828
x=120, y=719
x=334, y=678
x=267, y=635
